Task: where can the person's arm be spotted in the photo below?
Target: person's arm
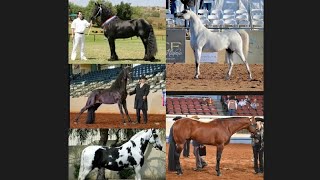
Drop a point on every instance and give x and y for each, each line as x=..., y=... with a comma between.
x=228, y=104
x=236, y=105
x=73, y=26
x=88, y=24
x=146, y=92
x=132, y=92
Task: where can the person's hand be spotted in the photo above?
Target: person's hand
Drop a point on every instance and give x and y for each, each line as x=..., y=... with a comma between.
x=144, y=97
x=72, y=36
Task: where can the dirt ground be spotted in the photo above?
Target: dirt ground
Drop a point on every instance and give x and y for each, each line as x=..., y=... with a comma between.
x=180, y=77
x=104, y=120
x=235, y=164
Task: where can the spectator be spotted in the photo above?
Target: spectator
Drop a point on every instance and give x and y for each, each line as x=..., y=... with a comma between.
x=254, y=104
x=232, y=106
x=242, y=102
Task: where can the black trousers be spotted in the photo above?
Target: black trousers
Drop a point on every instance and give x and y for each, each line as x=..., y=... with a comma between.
x=145, y=115
x=258, y=155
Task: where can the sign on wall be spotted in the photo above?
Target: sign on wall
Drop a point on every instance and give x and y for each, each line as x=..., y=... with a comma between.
x=175, y=45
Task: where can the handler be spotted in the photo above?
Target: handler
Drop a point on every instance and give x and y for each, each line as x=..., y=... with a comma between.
x=141, y=101
x=258, y=147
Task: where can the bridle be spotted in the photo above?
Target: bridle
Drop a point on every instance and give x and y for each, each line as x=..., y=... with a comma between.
x=99, y=12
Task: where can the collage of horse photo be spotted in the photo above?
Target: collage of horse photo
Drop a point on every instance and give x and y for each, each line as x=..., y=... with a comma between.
x=151, y=79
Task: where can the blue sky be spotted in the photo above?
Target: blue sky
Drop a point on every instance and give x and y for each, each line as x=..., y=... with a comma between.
x=161, y=3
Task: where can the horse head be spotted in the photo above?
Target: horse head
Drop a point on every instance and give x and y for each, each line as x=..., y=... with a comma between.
x=97, y=11
x=185, y=14
x=155, y=139
x=253, y=127
x=127, y=73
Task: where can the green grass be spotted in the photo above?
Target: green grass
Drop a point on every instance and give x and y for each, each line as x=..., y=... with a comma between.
x=129, y=51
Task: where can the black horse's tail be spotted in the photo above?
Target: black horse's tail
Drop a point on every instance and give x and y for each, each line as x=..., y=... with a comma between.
x=152, y=47
x=91, y=110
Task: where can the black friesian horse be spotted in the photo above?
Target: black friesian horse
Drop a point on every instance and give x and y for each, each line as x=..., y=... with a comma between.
x=116, y=28
x=117, y=93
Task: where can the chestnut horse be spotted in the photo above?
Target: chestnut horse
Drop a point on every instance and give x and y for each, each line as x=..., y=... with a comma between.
x=216, y=132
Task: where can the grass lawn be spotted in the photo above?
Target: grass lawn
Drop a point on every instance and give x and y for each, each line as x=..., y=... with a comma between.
x=129, y=51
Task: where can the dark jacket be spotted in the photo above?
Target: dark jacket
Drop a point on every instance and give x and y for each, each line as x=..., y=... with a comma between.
x=139, y=103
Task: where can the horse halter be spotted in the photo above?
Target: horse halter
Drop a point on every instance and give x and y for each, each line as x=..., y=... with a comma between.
x=99, y=12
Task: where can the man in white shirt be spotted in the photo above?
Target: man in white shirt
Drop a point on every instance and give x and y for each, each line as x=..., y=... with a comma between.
x=78, y=27
x=242, y=103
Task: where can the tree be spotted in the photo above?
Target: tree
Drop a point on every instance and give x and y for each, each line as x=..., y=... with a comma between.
x=124, y=11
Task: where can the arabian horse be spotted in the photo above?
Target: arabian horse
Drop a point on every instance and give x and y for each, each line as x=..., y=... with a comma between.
x=202, y=39
x=116, y=28
x=117, y=93
x=216, y=132
x=130, y=154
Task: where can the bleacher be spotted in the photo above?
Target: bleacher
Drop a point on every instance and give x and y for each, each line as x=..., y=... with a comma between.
x=247, y=110
x=83, y=85
x=232, y=15
x=192, y=106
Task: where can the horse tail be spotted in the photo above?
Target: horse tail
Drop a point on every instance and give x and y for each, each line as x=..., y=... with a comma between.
x=152, y=48
x=92, y=98
x=245, y=41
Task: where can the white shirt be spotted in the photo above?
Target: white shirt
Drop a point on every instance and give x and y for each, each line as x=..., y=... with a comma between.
x=242, y=103
x=79, y=25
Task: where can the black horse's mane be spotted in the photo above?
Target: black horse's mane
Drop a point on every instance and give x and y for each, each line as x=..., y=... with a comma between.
x=117, y=84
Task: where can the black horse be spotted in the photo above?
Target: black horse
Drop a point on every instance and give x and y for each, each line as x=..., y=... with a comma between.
x=117, y=93
x=116, y=28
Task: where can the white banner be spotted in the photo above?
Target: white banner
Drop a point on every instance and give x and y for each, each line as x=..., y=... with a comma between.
x=211, y=57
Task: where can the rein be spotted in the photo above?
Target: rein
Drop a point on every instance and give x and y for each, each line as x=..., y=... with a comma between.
x=100, y=10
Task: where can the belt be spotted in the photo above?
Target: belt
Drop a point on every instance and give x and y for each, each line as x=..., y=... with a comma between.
x=80, y=33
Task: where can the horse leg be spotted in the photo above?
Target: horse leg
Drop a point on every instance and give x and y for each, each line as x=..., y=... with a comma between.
x=230, y=64
x=177, y=158
x=101, y=174
x=137, y=169
x=145, y=41
x=197, y=56
x=91, y=116
x=121, y=111
x=219, y=153
x=240, y=53
x=112, y=49
x=84, y=171
x=124, y=104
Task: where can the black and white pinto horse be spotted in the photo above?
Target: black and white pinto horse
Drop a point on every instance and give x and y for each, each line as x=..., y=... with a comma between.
x=130, y=154
x=202, y=39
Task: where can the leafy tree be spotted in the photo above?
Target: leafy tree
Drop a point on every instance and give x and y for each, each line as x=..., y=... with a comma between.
x=124, y=11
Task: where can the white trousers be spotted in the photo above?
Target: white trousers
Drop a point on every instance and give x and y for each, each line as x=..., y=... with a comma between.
x=78, y=40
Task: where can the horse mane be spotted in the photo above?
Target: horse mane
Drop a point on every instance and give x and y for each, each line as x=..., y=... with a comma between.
x=117, y=83
x=225, y=119
x=136, y=135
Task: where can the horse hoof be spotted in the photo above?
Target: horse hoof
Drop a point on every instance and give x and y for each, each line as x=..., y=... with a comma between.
x=75, y=122
x=196, y=77
x=124, y=124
